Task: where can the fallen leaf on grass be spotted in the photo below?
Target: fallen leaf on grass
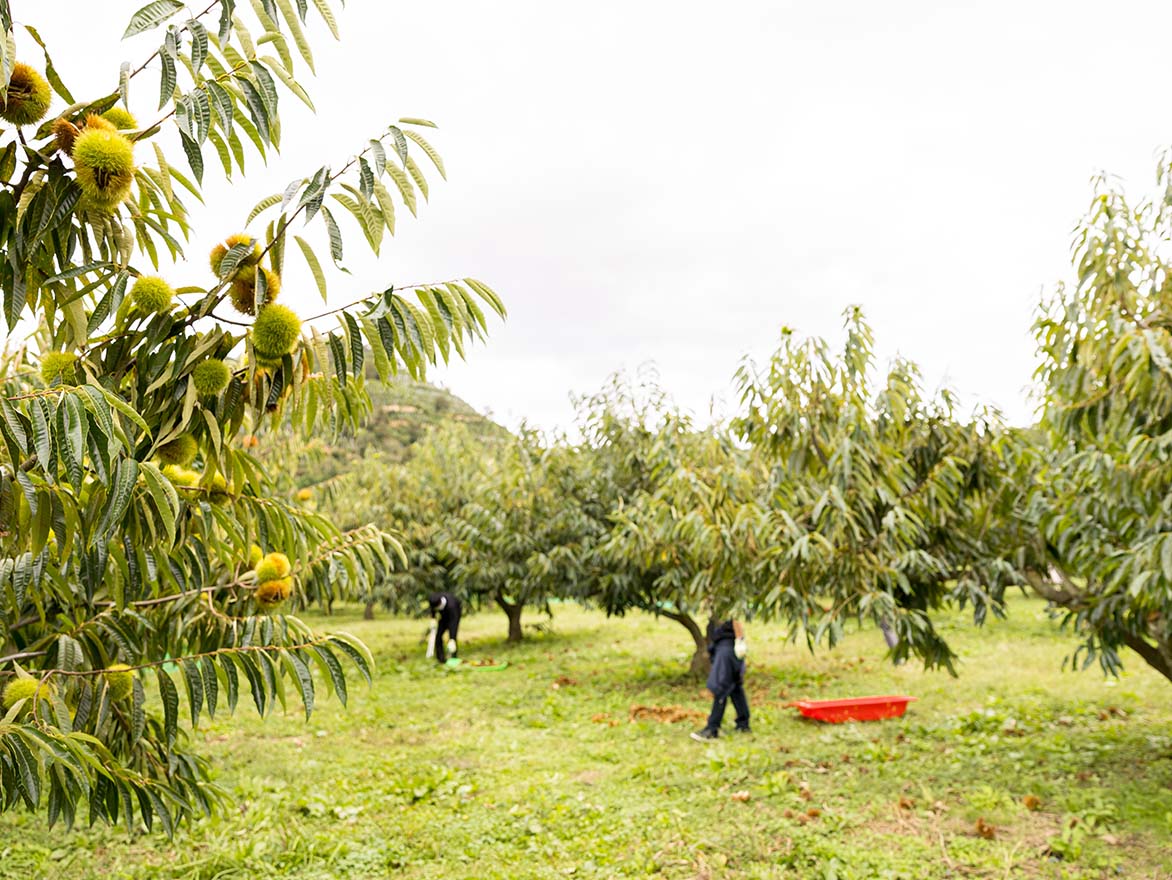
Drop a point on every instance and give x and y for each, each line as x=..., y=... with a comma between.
x=906, y=803
x=1032, y=802
x=985, y=830
x=665, y=714
x=741, y=796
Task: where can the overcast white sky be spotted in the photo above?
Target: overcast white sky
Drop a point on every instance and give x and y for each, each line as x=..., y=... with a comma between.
x=673, y=181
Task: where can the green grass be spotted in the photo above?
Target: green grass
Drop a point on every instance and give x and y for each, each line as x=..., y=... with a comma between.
x=479, y=774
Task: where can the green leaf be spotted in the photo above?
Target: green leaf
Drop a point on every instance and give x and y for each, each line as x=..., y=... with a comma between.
x=333, y=669
x=335, y=235
x=194, y=156
x=290, y=83
x=234, y=255
x=123, y=407
x=194, y=681
x=382, y=362
x=339, y=356
x=42, y=438
x=404, y=184
x=488, y=295
x=199, y=44
x=303, y=680
x=168, y=80
x=262, y=206
x=162, y=492
x=231, y=680
x=400, y=143
x=170, y=696
x=429, y=150
x=386, y=205
x=356, y=349
x=356, y=651
x=121, y=491
x=151, y=16
x=327, y=16
x=371, y=226
x=211, y=685
x=411, y=120
x=255, y=682
x=296, y=30
x=314, y=265
x=417, y=176
x=257, y=110
x=50, y=72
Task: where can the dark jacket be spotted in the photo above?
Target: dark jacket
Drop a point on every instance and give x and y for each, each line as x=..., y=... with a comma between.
x=443, y=604
x=727, y=670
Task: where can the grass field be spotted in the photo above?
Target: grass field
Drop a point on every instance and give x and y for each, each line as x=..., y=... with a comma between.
x=1014, y=770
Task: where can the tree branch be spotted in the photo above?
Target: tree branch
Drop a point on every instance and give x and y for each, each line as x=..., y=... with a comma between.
x=1152, y=655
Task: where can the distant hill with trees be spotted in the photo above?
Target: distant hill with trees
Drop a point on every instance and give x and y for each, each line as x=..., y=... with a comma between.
x=401, y=413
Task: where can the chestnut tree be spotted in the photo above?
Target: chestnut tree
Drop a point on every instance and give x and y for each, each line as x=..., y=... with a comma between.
x=146, y=559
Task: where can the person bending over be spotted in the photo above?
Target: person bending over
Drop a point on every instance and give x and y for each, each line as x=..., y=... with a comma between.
x=445, y=608
x=727, y=649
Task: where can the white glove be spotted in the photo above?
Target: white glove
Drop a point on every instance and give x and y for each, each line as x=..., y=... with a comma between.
x=452, y=647
x=740, y=648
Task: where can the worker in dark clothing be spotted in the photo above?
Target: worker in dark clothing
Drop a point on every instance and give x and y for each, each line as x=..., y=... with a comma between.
x=727, y=649
x=446, y=609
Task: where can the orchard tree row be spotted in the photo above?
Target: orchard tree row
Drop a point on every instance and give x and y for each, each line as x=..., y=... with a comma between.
x=841, y=491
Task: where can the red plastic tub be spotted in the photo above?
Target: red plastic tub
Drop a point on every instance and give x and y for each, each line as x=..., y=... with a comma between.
x=853, y=709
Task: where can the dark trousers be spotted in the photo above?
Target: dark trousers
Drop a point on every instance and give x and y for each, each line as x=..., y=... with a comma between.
x=740, y=703
x=449, y=624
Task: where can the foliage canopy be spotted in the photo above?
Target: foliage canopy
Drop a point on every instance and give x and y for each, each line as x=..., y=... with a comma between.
x=132, y=505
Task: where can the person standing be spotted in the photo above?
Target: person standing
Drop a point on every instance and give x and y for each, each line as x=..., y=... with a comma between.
x=445, y=608
x=727, y=649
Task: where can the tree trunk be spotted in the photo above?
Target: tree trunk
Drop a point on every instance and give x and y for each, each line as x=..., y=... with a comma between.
x=701, y=664
x=1155, y=657
x=368, y=611
x=1158, y=656
x=514, y=614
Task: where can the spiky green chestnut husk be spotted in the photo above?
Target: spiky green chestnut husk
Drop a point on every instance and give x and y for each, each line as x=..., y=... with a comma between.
x=152, y=295
x=120, y=117
x=65, y=135
x=28, y=96
x=211, y=377
x=255, y=555
x=22, y=689
x=272, y=568
x=267, y=363
x=216, y=257
x=104, y=163
x=120, y=679
x=181, y=476
x=94, y=121
x=218, y=492
x=180, y=451
x=59, y=365
x=275, y=331
x=270, y=594
x=243, y=289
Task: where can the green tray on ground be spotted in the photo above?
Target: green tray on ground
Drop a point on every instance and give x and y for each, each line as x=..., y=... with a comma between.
x=457, y=663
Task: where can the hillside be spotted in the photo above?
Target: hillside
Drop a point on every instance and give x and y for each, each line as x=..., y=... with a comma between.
x=401, y=414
